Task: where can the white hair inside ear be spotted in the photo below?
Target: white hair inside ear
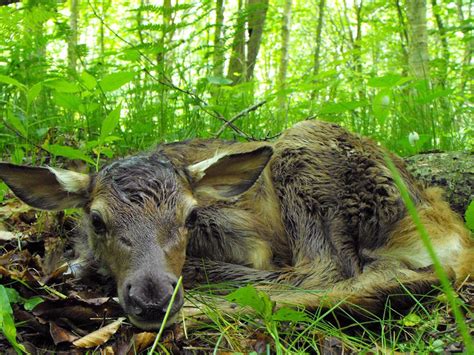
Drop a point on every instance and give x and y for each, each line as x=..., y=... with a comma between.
x=71, y=181
x=198, y=170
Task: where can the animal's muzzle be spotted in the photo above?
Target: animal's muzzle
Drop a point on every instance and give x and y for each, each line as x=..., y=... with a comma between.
x=146, y=296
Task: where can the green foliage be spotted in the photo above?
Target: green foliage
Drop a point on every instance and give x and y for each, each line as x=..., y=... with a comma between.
x=469, y=216
x=8, y=296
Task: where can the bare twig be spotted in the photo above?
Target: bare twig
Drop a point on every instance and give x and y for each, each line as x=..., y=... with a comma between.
x=237, y=116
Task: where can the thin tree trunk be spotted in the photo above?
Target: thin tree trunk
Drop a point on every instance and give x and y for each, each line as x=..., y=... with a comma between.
x=466, y=28
x=237, y=68
x=319, y=29
x=72, y=38
x=443, y=39
x=257, y=12
x=285, y=41
x=218, y=57
x=418, y=57
x=403, y=36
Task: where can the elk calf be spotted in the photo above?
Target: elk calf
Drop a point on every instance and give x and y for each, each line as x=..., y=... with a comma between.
x=317, y=209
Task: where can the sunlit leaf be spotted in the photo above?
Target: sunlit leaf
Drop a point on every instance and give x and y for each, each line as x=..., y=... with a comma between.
x=115, y=81
x=10, y=81
x=67, y=152
x=110, y=122
x=341, y=107
x=16, y=123
x=33, y=92
x=217, y=80
x=469, y=216
x=62, y=85
x=88, y=80
x=286, y=314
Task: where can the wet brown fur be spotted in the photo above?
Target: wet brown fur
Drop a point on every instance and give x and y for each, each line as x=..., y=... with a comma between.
x=323, y=216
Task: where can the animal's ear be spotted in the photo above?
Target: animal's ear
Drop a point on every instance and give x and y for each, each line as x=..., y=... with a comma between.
x=46, y=188
x=226, y=175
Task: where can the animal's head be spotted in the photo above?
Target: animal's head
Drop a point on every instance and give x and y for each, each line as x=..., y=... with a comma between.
x=137, y=212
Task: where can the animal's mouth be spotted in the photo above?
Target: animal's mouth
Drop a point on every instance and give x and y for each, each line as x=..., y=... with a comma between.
x=153, y=325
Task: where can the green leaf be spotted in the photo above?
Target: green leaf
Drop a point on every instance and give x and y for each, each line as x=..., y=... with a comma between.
x=110, y=122
x=381, y=105
x=217, y=80
x=286, y=314
x=7, y=325
x=249, y=297
x=33, y=92
x=67, y=152
x=387, y=81
x=16, y=123
x=410, y=320
x=32, y=302
x=68, y=101
x=10, y=81
x=469, y=216
x=13, y=295
x=88, y=80
x=115, y=81
x=341, y=107
x=431, y=96
x=62, y=85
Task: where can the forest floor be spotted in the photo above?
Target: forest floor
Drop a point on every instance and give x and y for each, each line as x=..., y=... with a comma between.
x=56, y=313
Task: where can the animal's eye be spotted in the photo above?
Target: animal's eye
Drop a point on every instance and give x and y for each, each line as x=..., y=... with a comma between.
x=191, y=219
x=98, y=223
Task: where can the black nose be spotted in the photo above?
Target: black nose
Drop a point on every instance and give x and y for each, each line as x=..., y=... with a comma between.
x=147, y=297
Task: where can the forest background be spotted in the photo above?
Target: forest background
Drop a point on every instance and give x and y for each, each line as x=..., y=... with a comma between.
x=92, y=80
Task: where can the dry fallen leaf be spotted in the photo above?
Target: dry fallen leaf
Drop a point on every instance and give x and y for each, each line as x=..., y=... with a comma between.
x=143, y=340
x=60, y=335
x=5, y=235
x=100, y=336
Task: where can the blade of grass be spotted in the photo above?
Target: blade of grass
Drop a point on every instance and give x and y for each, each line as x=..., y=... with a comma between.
x=440, y=272
x=165, y=318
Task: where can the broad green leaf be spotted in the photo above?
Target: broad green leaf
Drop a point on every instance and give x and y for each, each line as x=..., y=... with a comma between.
x=286, y=314
x=110, y=122
x=249, y=297
x=387, y=81
x=3, y=190
x=410, y=320
x=62, y=85
x=88, y=80
x=469, y=215
x=13, y=295
x=68, y=101
x=431, y=96
x=33, y=92
x=381, y=105
x=68, y=152
x=341, y=107
x=217, y=80
x=16, y=123
x=32, y=302
x=10, y=81
x=7, y=325
x=115, y=81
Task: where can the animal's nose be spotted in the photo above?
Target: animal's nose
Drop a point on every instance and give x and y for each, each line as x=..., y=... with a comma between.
x=148, y=297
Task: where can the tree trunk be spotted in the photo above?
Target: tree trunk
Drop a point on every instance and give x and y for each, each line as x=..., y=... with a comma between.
x=319, y=30
x=403, y=35
x=418, y=57
x=237, y=68
x=257, y=12
x=444, y=42
x=317, y=49
x=72, y=38
x=466, y=29
x=453, y=171
x=281, y=84
x=218, y=57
